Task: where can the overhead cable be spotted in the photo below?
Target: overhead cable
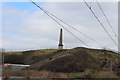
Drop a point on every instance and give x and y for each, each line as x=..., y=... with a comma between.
x=100, y=23
x=59, y=23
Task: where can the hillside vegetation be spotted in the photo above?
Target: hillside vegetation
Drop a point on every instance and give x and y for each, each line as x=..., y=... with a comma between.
x=79, y=62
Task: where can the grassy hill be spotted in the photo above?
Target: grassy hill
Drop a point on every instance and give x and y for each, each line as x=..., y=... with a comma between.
x=79, y=62
x=25, y=57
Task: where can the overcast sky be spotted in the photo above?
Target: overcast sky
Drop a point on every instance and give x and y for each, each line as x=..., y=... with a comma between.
x=27, y=27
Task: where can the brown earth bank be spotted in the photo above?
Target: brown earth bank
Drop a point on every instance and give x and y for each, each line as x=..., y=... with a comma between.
x=78, y=62
x=33, y=74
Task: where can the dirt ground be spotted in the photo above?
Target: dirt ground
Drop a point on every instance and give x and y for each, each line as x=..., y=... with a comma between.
x=31, y=73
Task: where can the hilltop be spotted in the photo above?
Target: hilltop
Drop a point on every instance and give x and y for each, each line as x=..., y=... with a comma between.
x=78, y=62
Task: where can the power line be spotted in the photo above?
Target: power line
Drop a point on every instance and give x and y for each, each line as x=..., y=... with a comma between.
x=100, y=22
x=48, y=13
x=73, y=28
x=59, y=23
x=106, y=19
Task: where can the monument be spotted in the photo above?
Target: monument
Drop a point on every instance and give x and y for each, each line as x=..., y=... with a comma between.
x=60, y=45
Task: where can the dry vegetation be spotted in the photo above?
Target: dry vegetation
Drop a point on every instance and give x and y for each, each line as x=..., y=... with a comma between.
x=73, y=63
x=33, y=73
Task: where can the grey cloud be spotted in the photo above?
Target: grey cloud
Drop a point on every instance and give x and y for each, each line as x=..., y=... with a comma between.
x=37, y=29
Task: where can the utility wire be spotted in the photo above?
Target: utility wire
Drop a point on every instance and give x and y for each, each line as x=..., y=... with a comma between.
x=106, y=18
x=59, y=23
x=48, y=13
x=100, y=22
x=73, y=28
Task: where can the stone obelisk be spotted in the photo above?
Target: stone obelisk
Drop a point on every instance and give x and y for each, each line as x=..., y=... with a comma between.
x=60, y=45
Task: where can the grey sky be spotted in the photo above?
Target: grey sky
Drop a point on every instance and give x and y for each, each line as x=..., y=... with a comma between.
x=28, y=30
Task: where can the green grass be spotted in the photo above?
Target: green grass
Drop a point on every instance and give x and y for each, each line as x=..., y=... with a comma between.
x=27, y=57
